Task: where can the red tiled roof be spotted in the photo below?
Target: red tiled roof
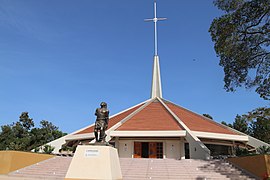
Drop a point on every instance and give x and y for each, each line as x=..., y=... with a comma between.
x=196, y=122
x=87, y=130
x=153, y=117
x=112, y=120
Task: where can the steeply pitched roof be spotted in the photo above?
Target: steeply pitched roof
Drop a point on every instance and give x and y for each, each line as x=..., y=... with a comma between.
x=153, y=117
x=197, y=122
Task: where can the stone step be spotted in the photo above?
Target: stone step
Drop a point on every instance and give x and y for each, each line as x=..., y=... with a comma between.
x=54, y=168
x=139, y=169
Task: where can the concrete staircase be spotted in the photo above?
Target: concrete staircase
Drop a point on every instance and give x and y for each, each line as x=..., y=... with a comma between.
x=135, y=169
x=50, y=169
x=138, y=169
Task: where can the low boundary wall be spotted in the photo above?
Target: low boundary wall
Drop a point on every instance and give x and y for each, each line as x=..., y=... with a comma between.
x=258, y=165
x=14, y=160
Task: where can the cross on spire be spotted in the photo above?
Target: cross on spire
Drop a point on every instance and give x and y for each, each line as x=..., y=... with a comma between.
x=155, y=20
x=156, y=90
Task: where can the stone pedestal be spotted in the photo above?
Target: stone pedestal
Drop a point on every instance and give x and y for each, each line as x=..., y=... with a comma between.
x=94, y=162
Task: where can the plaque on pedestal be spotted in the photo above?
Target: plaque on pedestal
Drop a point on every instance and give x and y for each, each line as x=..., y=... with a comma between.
x=94, y=162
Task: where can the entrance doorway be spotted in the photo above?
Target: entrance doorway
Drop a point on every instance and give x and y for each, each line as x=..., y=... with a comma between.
x=148, y=150
x=187, y=156
x=145, y=150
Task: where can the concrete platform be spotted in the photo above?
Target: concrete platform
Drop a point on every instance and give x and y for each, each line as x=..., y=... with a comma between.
x=94, y=162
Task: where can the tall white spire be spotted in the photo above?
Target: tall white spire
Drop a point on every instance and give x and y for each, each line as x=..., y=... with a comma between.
x=156, y=90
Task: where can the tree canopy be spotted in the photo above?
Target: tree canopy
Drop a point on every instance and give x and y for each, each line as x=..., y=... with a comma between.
x=242, y=39
x=260, y=123
x=23, y=136
x=208, y=116
x=255, y=123
x=240, y=123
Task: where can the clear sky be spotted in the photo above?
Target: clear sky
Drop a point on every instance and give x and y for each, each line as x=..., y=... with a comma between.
x=60, y=58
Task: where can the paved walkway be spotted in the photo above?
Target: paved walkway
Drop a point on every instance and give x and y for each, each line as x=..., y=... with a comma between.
x=138, y=169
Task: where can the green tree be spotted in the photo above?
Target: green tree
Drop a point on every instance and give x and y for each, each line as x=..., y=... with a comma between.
x=25, y=121
x=208, y=116
x=260, y=123
x=242, y=39
x=46, y=133
x=240, y=123
x=6, y=137
x=16, y=135
x=48, y=149
x=255, y=123
x=22, y=135
x=263, y=150
x=229, y=125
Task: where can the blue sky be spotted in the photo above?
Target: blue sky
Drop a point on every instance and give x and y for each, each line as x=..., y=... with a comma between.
x=60, y=59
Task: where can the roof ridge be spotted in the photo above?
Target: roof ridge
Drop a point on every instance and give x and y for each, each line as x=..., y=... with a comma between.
x=199, y=115
x=161, y=102
x=194, y=141
x=121, y=122
x=174, y=115
x=146, y=120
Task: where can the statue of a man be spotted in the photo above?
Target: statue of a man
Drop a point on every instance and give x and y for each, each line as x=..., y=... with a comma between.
x=101, y=124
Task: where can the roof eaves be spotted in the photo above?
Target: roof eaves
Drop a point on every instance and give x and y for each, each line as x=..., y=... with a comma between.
x=232, y=137
x=190, y=137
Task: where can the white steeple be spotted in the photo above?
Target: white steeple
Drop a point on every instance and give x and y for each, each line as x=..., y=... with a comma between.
x=156, y=90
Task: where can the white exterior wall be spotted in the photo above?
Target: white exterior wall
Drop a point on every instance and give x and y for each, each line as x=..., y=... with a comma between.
x=57, y=144
x=125, y=149
x=197, y=150
x=172, y=149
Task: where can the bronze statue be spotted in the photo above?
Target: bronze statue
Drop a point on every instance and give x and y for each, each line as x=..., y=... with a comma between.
x=101, y=124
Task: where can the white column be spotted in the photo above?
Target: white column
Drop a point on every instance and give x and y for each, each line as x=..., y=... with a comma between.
x=164, y=150
x=182, y=148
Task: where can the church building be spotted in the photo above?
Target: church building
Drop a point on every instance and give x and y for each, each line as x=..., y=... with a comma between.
x=159, y=128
